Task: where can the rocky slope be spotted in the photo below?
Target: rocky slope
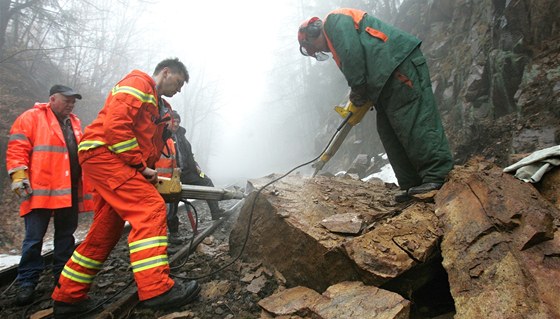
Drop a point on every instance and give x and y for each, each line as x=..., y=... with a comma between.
x=496, y=237
x=495, y=69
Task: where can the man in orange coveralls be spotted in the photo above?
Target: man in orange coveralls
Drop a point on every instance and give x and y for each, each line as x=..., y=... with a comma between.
x=118, y=152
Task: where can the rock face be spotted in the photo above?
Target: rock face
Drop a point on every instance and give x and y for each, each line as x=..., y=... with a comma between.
x=495, y=72
x=500, y=246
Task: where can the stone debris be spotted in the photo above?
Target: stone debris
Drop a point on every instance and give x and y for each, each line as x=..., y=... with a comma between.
x=343, y=300
x=349, y=223
x=179, y=315
x=215, y=289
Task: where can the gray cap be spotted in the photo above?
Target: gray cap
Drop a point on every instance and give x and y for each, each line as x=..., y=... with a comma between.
x=64, y=90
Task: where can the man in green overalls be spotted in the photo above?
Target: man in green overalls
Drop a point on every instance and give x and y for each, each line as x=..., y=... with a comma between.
x=385, y=65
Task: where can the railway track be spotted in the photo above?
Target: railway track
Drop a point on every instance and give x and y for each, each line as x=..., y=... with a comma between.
x=116, y=304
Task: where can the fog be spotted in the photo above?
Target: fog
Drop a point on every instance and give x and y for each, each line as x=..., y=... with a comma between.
x=242, y=119
x=253, y=106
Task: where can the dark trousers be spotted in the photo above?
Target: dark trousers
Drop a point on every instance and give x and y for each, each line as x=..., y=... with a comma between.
x=172, y=218
x=36, y=223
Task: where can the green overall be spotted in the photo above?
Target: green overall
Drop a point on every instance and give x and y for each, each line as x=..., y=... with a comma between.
x=369, y=51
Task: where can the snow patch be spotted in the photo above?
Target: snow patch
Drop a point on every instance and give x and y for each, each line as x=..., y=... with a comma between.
x=386, y=174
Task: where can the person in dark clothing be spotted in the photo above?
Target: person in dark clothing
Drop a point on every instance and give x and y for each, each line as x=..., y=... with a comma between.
x=191, y=173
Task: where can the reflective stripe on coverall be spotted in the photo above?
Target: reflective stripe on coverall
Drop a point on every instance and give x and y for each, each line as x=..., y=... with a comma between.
x=124, y=138
x=128, y=196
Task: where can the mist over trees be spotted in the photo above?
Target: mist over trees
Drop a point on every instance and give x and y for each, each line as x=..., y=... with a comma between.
x=282, y=114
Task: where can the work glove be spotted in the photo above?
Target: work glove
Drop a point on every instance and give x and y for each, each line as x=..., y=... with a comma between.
x=199, y=171
x=358, y=95
x=20, y=184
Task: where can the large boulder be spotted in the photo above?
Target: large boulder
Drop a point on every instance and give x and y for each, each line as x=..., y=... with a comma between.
x=308, y=229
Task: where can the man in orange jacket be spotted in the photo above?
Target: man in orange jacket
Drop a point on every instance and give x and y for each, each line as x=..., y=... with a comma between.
x=118, y=154
x=42, y=160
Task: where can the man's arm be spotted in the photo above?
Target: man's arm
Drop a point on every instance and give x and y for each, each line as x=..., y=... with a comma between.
x=18, y=154
x=129, y=97
x=20, y=143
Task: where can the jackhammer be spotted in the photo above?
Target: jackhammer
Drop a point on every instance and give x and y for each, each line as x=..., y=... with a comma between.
x=173, y=191
x=352, y=115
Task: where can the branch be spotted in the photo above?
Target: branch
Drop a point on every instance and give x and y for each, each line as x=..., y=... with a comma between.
x=47, y=49
x=21, y=6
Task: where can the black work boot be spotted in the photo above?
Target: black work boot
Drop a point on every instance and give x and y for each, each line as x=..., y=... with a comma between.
x=402, y=197
x=425, y=191
x=174, y=239
x=25, y=295
x=70, y=310
x=177, y=296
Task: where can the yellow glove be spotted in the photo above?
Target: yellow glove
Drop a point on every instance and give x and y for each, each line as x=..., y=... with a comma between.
x=358, y=113
x=199, y=171
x=20, y=183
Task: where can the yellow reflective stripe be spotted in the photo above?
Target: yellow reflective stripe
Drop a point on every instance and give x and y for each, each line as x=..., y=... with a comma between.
x=147, y=243
x=76, y=276
x=149, y=263
x=86, y=145
x=142, y=96
x=124, y=146
x=86, y=262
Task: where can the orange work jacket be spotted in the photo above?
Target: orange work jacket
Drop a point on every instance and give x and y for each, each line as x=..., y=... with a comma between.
x=37, y=145
x=168, y=160
x=130, y=124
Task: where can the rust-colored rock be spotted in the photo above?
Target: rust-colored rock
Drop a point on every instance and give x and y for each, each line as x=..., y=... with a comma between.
x=349, y=223
x=288, y=231
x=343, y=300
x=500, y=247
x=291, y=301
x=396, y=245
x=549, y=187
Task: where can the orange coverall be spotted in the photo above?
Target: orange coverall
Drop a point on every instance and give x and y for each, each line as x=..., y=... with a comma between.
x=125, y=138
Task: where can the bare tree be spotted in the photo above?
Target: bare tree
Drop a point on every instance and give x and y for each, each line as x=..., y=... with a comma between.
x=10, y=10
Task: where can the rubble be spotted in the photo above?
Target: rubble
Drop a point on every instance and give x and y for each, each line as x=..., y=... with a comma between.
x=343, y=300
